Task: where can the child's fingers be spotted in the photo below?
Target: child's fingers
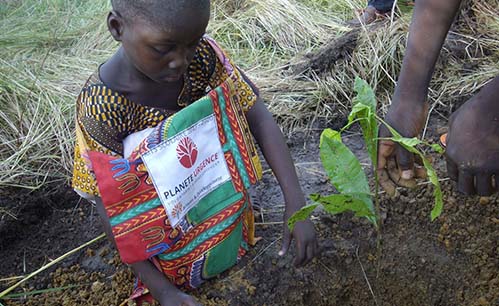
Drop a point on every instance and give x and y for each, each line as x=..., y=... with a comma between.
x=316, y=249
x=191, y=303
x=186, y=300
x=286, y=241
x=310, y=253
x=301, y=255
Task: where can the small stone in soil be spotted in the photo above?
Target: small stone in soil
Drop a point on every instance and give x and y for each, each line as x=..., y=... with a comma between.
x=484, y=200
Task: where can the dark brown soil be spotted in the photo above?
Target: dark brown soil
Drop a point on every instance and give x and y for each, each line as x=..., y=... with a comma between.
x=328, y=55
x=452, y=261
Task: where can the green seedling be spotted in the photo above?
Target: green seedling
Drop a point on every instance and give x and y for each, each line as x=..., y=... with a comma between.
x=344, y=169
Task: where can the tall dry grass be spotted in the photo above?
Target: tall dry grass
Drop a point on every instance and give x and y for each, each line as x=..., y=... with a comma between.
x=49, y=47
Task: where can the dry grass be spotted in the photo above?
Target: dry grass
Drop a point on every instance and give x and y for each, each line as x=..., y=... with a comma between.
x=48, y=48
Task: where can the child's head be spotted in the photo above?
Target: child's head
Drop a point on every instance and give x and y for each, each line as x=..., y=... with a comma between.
x=159, y=37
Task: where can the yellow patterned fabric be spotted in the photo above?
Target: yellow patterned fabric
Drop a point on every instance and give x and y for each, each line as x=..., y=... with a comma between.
x=105, y=117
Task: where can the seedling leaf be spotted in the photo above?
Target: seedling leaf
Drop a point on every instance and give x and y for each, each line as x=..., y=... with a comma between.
x=301, y=215
x=364, y=111
x=432, y=175
x=334, y=204
x=342, y=166
x=345, y=173
x=437, y=191
x=329, y=133
x=365, y=94
x=438, y=148
x=408, y=142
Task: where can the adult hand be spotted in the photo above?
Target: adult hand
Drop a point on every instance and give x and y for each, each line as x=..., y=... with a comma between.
x=306, y=242
x=429, y=26
x=395, y=164
x=473, y=143
x=179, y=298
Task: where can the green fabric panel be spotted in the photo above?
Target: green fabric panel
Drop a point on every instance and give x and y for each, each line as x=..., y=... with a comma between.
x=214, y=202
x=135, y=211
x=224, y=255
x=190, y=115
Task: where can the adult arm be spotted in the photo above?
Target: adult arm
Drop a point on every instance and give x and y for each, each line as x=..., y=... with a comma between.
x=430, y=23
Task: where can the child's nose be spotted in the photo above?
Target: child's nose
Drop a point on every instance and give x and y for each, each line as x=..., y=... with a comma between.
x=179, y=62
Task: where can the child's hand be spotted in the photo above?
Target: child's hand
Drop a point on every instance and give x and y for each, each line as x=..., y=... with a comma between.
x=306, y=241
x=179, y=299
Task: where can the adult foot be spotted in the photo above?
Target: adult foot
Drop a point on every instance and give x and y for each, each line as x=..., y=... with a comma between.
x=367, y=16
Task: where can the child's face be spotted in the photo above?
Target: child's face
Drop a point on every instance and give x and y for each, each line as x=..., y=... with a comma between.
x=163, y=53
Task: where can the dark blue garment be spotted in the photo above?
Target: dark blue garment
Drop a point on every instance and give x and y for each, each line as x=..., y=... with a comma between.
x=381, y=5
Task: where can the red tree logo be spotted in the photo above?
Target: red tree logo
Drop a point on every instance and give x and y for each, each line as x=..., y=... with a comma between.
x=187, y=152
x=177, y=209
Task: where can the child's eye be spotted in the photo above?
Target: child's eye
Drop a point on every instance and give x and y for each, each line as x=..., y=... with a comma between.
x=162, y=49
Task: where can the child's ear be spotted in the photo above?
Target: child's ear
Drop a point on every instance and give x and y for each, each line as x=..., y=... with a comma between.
x=115, y=24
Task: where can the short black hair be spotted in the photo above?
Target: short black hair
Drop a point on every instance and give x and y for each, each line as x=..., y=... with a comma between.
x=155, y=11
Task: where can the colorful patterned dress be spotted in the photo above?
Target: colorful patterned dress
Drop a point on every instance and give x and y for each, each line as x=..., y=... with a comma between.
x=213, y=239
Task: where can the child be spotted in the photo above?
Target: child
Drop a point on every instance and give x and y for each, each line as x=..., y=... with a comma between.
x=165, y=62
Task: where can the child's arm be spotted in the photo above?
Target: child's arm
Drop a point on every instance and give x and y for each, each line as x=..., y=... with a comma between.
x=271, y=141
x=161, y=289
